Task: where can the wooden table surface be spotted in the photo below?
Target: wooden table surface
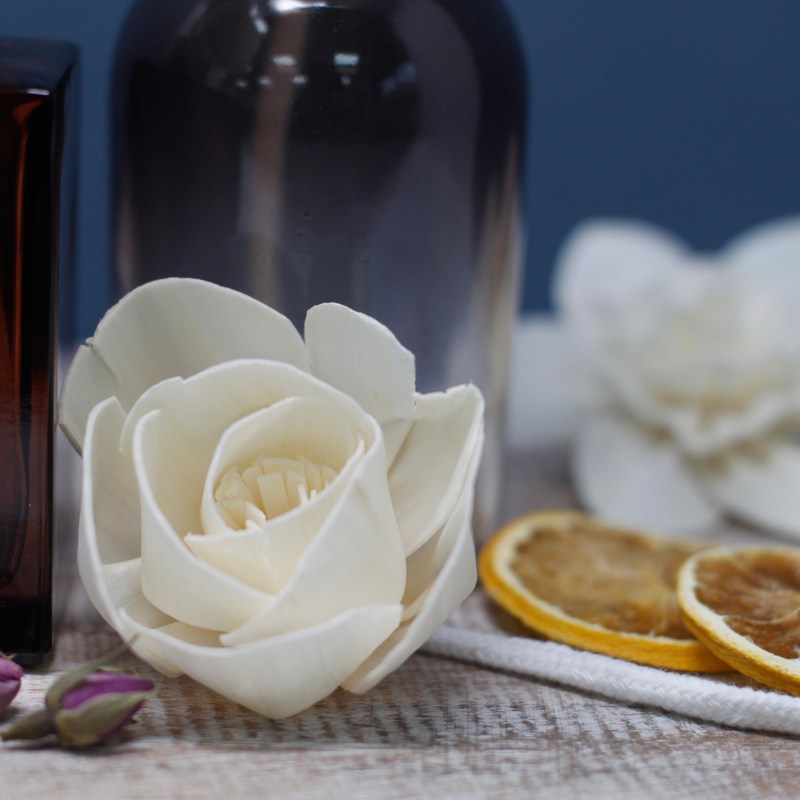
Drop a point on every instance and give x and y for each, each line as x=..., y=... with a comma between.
x=434, y=728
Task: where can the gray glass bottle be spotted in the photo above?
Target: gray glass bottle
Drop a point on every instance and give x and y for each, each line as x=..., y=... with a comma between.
x=367, y=152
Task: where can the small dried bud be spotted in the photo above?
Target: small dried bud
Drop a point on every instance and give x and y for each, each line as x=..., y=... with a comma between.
x=100, y=705
x=10, y=681
x=85, y=706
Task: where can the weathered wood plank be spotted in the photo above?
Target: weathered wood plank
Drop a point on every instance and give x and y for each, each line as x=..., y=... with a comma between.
x=435, y=728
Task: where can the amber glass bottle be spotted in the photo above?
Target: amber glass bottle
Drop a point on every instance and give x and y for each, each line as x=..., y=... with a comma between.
x=36, y=162
x=363, y=151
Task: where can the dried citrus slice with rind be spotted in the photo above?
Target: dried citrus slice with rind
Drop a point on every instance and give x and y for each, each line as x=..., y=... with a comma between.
x=743, y=603
x=595, y=587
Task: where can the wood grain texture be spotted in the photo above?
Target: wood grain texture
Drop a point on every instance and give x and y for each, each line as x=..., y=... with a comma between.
x=435, y=728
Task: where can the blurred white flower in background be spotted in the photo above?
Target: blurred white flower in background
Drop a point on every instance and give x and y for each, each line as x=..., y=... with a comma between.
x=676, y=376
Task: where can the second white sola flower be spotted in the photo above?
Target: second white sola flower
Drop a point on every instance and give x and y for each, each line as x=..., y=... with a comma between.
x=273, y=517
x=681, y=373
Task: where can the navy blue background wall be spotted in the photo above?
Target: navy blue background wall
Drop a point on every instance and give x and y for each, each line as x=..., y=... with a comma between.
x=683, y=112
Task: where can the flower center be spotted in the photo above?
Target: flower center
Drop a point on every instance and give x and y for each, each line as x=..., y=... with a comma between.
x=711, y=344
x=270, y=487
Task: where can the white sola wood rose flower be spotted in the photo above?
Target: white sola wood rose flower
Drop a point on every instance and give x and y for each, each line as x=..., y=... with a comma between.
x=681, y=373
x=271, y=516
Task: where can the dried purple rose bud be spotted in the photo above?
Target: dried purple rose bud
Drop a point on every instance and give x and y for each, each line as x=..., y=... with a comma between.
x=10, y=681
x=100, y=705
x=85, y=706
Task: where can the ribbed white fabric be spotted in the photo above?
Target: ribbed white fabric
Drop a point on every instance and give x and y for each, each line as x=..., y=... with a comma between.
x=700, y=697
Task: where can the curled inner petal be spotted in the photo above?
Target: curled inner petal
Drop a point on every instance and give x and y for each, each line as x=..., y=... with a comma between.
x=269, y=487
x=279, y=460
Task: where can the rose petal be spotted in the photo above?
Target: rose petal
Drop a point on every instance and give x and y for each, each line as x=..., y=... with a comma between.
x=173, y=578
x=759, y=485
x=604, y=264
x=551, y=389
x=429, y=472
x=358, y=355
x=109, y=486
x=173, y=327
x=629, y=477
x=324, y=432
x=394, y=435
x=101, y=683
x=425, y=565
x=440, y=577
x=769, y=254
x=244, y=555
x=205, y=404
x=109, y=531
x=356, y=559
x=282, y=675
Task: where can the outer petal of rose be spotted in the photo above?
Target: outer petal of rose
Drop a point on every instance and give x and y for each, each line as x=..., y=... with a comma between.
x=325, y=432
x=173, y=578
x=627, y=476
x=429, y=473
x=769, y=254
x=551, y=390
x=394, y=434
x=358, y=355
x=282, y=675
x=109, y=532
x=173, y=327
x=440, y=577
x=110, y=527
x=356, y=559
x=759, y=486
x=606, y=262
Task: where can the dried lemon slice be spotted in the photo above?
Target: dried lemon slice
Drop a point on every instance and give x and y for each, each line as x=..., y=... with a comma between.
x=744, y=604
x=595, y=587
